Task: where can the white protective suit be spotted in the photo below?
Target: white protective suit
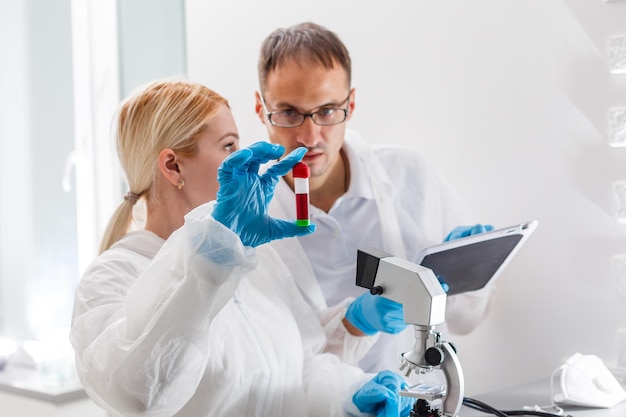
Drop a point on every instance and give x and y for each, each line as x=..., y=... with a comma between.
x=200, y=325
x=396, y=202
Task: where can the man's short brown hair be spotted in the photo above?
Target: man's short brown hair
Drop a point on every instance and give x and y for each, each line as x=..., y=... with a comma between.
x=308, y=44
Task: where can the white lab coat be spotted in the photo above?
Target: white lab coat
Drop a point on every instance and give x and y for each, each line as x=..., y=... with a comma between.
x=396, y=202
x=200, y=325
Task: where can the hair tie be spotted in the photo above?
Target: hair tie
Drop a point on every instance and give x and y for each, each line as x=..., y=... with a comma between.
x=132, y=197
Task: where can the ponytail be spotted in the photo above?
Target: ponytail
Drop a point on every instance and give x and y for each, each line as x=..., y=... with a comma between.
x=120, y=222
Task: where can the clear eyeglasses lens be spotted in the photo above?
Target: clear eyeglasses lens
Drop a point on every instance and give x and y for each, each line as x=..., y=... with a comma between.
x=324, y=117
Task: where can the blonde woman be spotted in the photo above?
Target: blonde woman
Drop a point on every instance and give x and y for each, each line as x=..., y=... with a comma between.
x=193, y=315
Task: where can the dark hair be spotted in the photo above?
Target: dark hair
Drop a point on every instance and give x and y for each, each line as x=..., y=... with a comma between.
x=307, y=43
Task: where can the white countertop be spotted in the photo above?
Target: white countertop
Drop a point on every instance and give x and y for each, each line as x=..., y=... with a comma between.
x=536, y=393
x=31, y=383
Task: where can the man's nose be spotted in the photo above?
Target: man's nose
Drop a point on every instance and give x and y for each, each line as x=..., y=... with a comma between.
x=309, y=134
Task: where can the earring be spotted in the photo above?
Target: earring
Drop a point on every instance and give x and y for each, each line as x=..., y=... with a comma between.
x=181, y=184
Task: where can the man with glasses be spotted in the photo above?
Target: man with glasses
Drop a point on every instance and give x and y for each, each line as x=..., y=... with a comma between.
x=384, y=197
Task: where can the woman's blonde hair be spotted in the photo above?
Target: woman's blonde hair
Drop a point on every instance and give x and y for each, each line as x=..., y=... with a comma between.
x=164, y=114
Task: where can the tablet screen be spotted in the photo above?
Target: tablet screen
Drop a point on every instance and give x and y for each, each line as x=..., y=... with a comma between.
x=470, y=267
x=469, y=263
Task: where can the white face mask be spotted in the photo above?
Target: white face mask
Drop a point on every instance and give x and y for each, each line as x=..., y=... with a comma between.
x=586, y=381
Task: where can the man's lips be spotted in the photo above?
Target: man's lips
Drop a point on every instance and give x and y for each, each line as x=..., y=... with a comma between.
x=310, y=157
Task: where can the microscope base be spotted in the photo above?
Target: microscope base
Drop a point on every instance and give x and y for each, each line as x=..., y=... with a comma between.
x=421, y=408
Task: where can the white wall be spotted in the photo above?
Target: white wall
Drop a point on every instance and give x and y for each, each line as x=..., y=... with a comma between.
x=510, y=100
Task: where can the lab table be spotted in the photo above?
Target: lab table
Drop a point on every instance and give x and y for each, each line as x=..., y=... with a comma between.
x=25, y=393
x=536, y=393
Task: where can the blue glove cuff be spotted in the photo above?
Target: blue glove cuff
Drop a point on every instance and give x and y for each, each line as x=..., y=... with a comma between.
x=354, y=315
x=464, y=231
x=373, y=313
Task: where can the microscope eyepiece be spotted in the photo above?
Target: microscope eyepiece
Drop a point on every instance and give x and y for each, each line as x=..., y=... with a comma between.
x=377, y=290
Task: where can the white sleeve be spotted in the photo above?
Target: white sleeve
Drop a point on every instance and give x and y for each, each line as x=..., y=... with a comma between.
x=329, y=381
x=338, y=341
x=349, y=348
x=330, y=386
x=465, y=311
x=140, y=337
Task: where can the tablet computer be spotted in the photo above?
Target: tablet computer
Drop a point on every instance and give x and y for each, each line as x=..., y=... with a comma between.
x=469, y=263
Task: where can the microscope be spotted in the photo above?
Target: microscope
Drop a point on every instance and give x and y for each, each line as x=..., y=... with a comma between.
x=424, y=303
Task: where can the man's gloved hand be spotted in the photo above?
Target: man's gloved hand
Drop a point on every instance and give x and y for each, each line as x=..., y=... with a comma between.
x=464, y=231
x=244, y=195
x=373, y=313
x=380, y=396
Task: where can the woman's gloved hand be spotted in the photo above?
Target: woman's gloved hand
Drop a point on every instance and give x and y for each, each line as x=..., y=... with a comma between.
x=244, y=195
x=380, y=396
x=464, y=231
x=373, y=313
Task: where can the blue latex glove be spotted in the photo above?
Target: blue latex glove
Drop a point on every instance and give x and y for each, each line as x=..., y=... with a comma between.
x=464, y=231
x=373, y=313
x=244, y=195
x=380, y=396
x=443, y=284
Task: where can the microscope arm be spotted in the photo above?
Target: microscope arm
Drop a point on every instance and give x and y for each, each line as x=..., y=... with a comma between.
x=453, y=373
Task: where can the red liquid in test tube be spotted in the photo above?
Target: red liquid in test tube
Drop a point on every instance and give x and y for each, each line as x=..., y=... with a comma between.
x=301, y=174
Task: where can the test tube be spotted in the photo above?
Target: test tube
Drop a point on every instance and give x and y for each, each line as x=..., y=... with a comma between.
x=301, y=174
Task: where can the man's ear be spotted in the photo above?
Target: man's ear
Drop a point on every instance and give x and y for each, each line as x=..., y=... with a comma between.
x=352, y=102
x=258, y=107
x=169, y=166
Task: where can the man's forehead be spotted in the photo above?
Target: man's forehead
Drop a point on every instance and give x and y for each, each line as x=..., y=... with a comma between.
x=306, y=87
x=305, y=102
x=306, y=69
